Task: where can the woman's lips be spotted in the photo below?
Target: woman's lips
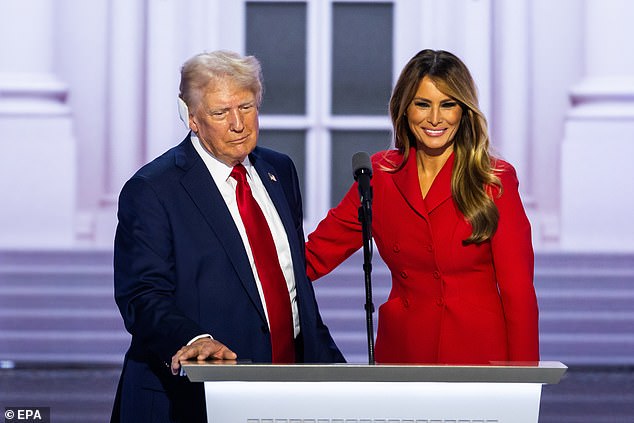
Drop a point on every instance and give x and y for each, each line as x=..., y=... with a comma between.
x=434, y=132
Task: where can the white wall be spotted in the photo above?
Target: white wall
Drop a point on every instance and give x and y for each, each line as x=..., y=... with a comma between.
x=119, y=60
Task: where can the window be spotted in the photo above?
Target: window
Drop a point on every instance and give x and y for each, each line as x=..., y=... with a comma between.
x=328, y=75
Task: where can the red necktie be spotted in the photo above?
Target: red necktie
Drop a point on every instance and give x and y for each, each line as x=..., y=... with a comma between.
x=278, y=304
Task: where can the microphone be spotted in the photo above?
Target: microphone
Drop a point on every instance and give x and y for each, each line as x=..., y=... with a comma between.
x=362, y=171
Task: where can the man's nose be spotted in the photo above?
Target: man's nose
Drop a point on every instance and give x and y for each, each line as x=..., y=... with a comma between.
x=236, y=121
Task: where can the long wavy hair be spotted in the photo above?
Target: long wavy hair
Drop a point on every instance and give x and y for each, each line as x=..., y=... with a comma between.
x=472, y=175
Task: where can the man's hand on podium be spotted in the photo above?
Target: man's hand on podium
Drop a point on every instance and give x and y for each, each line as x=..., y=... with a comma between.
x=201, y=349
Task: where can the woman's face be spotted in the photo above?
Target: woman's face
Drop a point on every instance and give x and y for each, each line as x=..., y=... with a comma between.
x=433, y=117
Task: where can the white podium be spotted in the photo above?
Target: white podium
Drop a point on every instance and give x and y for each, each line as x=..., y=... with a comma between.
x=349, y=393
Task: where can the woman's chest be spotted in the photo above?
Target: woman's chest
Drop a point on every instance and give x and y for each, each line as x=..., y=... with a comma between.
x=409, y=234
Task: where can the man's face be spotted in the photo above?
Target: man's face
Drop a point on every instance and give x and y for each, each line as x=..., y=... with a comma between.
x=226, y=120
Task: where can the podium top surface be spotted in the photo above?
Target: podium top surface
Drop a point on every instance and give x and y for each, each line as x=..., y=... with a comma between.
x=207, y=371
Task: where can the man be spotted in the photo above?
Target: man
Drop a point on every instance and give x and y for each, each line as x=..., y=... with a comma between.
x=197, y=260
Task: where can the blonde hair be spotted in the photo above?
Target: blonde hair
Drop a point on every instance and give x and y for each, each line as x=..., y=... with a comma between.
x=472, y=175
x=203, y=68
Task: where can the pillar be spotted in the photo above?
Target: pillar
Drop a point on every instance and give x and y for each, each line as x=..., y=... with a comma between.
x=126, y=108
x=597, y=185
x=38, y=159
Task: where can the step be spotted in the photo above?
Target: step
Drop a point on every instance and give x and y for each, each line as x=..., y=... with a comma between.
x=29, y=319
x=16, y=345
x=567, y=321
x=44, y=296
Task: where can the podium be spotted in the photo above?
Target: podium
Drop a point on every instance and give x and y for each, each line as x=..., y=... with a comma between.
x=350, y=393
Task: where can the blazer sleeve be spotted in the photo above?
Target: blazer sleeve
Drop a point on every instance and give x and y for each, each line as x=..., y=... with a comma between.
x=336, y=237
x=144, y=272
x=513, y=259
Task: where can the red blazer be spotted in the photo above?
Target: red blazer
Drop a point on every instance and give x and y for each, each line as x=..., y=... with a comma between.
x=450, y=303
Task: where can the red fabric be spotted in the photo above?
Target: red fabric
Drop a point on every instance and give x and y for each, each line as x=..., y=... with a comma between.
x=450, y=303
x=278, y=304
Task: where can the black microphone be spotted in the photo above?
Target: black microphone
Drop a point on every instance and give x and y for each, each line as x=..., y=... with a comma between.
x=362, y=171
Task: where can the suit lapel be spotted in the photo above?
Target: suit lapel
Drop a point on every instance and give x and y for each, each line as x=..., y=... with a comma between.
x=203, y=191
x=406, y=181
x=440, y=190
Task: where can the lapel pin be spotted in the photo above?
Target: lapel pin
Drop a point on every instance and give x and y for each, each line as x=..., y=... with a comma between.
x=272, y=177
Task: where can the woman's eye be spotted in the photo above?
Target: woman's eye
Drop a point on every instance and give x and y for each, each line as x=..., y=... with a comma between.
x=449, y=104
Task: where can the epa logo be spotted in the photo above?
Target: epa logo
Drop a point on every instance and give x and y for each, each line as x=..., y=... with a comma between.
x=27, y=414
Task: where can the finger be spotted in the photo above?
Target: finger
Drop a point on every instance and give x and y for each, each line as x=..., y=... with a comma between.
x=211, y=348
x=184, y=353
x=175, y=366
x=225, y=353
x=215, y=349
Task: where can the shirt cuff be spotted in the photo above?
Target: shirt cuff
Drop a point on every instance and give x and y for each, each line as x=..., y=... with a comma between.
x=204, y=335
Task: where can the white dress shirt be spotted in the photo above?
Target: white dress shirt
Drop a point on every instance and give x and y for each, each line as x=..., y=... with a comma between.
x=220, y=173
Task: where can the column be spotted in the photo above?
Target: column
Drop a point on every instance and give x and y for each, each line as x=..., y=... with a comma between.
x=597, y=185
x=38, y=160
x=126, y=107
x=510, y=128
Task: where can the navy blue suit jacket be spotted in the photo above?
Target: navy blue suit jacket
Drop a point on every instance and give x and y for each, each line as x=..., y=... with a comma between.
x=181, y=270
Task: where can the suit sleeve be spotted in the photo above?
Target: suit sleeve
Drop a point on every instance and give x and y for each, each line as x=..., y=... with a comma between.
x=336, y=237
x=514, y=267
x=144, y=272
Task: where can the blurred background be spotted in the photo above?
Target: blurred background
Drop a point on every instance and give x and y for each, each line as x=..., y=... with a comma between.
x=88, y=94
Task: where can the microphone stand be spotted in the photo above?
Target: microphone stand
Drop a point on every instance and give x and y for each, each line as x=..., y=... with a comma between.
x=365, y=217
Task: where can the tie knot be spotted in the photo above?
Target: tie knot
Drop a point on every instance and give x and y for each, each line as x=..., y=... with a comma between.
x=239, y=173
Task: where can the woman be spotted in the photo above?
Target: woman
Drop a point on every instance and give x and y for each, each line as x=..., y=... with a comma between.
x=448, y=222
